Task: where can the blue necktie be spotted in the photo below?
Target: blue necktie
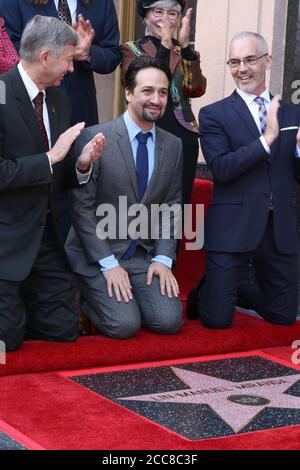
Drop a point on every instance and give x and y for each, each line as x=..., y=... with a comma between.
x=142, y=173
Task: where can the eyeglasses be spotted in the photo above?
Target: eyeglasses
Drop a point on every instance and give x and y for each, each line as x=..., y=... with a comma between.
x=159, y=12
x=247, y=61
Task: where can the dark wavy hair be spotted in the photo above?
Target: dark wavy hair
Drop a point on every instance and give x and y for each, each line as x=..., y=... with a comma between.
x=45, y=2
x=144, y=63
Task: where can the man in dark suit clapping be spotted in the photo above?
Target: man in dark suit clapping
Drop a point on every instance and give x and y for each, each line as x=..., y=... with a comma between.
x=35, y=163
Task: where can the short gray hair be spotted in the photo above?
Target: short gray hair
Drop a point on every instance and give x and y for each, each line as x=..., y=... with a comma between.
x=260, y=40
x=166, y=4
x=46, y=33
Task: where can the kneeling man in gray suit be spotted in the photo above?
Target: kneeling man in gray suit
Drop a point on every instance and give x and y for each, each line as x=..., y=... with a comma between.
x=128, y=282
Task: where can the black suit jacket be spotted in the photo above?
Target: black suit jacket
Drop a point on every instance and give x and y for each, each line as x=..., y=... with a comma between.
x=245, y=176
x=27, y=186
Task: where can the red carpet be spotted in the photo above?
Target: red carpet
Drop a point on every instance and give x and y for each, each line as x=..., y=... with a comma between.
x=19, y=437
x=247, y=333
x=59, y=414
x=190, y=264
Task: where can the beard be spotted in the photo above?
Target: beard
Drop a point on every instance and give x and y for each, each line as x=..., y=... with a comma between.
x=149, y=116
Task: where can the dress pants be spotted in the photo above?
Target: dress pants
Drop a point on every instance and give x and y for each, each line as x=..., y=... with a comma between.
x=41, y=306
x=148, y=307
x=276, y=276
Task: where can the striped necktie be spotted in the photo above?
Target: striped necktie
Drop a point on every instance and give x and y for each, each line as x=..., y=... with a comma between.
x=262, y=110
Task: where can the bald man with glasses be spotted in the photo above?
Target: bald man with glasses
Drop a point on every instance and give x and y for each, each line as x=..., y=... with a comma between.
x=250, y=142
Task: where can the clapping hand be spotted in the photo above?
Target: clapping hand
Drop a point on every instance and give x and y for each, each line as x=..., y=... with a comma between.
x=91, y=152
x=185, y=30
x=166, y=33
x=63, y=144
x=272, y=129
x=86, y=34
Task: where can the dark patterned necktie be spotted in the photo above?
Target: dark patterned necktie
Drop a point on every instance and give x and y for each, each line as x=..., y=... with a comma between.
x=142, y=173
x=38, y=108
x=63, y=11
x=262, y=113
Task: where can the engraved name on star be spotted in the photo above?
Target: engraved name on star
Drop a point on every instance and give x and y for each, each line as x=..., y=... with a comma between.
x=236, y=403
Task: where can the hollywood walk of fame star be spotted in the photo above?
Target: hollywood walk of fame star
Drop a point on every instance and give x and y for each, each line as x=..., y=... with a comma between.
x=236, y=403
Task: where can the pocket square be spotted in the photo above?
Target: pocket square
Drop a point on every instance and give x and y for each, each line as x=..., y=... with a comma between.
x=292, y=128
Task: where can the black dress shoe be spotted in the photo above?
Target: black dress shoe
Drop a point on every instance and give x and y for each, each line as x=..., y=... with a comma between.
x=192, y=312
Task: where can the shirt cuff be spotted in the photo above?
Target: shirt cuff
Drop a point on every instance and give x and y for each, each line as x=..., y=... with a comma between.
x=297, y=152
x=110, y=262
x=163, y=260
x=50, y=164
x=83, y=178
x=265, y=145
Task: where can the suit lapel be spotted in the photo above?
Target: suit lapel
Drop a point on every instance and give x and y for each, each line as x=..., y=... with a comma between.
x=126, y=153
x=280, y=121
x=149, y=48
x=53, y=117
x=51, y=10
x=26, y=109
x=82, y=10
x=242, y=109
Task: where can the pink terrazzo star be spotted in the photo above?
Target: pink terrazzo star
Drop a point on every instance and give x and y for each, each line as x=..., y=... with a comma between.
x=236, y=403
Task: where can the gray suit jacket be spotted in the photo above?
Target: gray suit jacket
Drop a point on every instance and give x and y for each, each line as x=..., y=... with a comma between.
x=114, y=176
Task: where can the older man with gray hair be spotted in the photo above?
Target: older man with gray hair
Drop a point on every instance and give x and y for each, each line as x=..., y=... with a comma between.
x=36, y=161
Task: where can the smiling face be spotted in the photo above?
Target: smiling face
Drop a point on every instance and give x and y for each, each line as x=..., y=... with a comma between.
x=148, y=100
x=56, y=67
x=154, y=23
x=249, y=78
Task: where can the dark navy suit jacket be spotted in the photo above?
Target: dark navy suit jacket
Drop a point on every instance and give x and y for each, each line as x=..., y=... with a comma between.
x=105, y=55
x=246, y=175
